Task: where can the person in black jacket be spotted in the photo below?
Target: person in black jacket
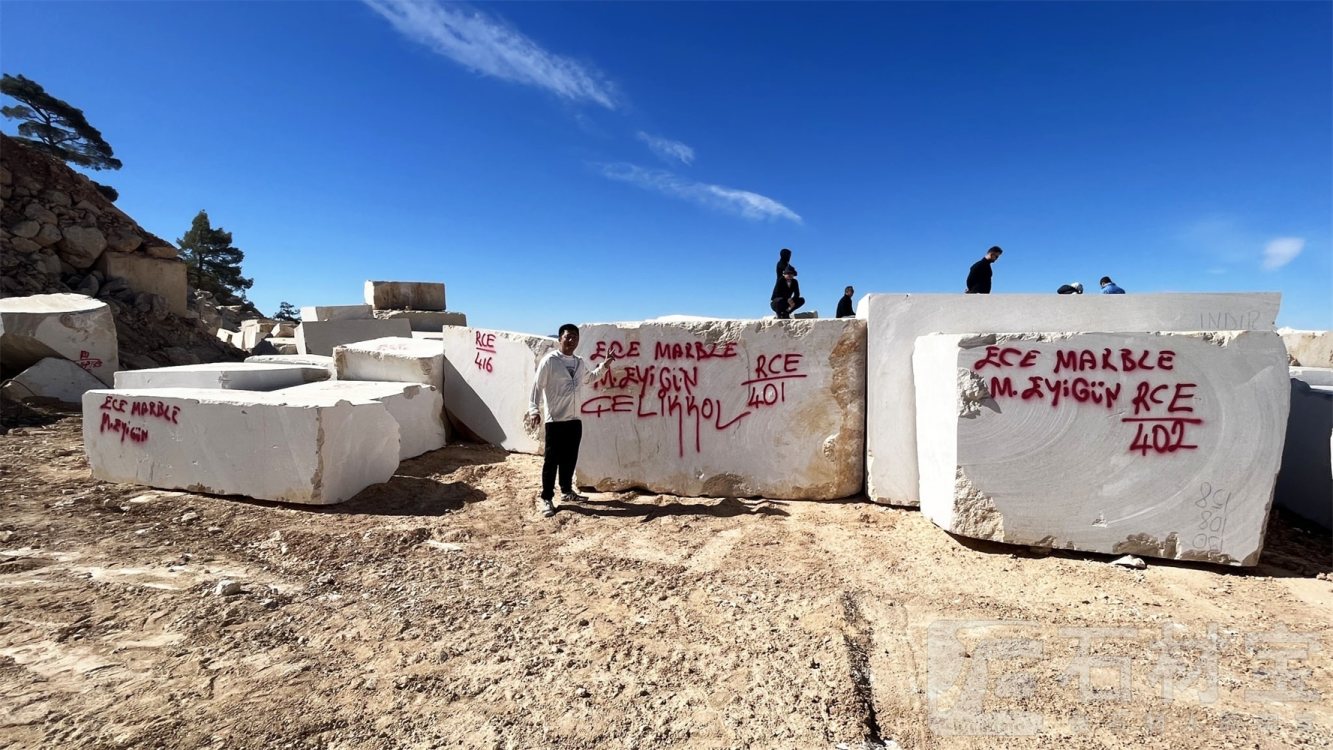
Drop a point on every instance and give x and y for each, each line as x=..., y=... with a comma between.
x=786, y=293
x=979, y=276
x=845, y=304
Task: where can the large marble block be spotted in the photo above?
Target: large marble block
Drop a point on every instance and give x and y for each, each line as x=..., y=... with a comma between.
x=165, y=277
x=72, y=326
x=488, y=378
x=1305, y=485
x=896, y=320
x=52, y=379
x=319, y=337
x=418, y=408
x=405, y=295
x=425, y=320
x=268, y=446
x=235, y=376
x=1150, y=444
x=1309, y=348
x=1312, y=375
x=327, y=313
x=762, y=408
x=392, y=359
x=313, y=360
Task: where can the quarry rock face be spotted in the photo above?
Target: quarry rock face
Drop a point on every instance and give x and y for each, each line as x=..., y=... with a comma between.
x=70, y=326
x=405, y=295
x=418, y=409
x=313, y=450
x=488, y=378
x=392, y=359
x=1122, y=443
x=896, y=320
x=321, y=337
x=236, y=376
x=52, y=379
x=726, y=408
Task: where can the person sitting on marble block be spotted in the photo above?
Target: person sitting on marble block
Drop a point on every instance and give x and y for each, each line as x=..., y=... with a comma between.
x=787, y=294
x=1074, y=288
x=845, y=304
x=556, y=387
x=1109, y=287
x=979, y=275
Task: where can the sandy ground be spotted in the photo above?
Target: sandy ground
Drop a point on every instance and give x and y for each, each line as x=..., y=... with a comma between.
x=441, y=609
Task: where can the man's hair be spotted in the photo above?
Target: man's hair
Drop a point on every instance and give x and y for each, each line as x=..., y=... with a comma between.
x=995, y=249
x=1105, y=280
x=848, y=289
x=784, y=251
x=568, y=327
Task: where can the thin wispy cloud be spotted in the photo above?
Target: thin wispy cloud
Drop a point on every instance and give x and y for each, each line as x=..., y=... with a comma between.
x=1282, y=250
x=667, y=149
x=742, y=203
x=488, y=46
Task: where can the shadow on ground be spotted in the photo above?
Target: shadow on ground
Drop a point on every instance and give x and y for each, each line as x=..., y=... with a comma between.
x=646, y=511
x=1293, y=548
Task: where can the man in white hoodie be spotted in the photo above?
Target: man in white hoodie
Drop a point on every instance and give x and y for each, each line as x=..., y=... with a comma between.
x=559, y=375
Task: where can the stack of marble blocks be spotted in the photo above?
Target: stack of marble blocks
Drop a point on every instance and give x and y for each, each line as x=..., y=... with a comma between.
x=405, y=309
x=280, y=334
x=299, y=432
x=893, y=404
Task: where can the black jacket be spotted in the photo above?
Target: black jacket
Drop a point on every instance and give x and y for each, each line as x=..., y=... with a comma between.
x=978, y=277
x=845, y=307
x=782, y=291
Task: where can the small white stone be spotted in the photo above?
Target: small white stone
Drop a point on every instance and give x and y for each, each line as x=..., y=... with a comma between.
x=1130, y=561
x=227, y=587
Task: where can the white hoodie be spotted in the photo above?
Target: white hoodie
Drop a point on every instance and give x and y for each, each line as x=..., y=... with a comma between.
x=557, y=384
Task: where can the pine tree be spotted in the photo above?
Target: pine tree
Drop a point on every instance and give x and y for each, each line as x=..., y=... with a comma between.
x=286, y=311
x=211, y=263
x=55, y=127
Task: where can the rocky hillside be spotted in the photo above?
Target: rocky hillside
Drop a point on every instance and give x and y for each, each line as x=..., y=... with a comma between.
x=57, y=233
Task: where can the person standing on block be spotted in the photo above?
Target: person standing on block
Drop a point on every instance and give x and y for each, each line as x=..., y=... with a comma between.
x=979, y=276
x=1109, y=287
x=559, y=375
x=845, y=304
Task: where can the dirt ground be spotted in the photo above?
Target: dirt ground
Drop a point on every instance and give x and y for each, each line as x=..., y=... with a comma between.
x=441, y=610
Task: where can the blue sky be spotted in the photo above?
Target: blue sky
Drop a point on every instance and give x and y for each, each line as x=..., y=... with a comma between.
x=556, y=162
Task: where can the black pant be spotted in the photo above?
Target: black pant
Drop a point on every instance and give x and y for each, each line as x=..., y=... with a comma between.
x=779, y=305
x=562, y=452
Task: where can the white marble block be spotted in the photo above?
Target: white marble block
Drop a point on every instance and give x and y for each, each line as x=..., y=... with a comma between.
x=52, y=379
x=327, y=313
x=267, y=446
x=1305, y=484
x=487, y=380
x=1309, y=348
x=322, y=337
x=72, y=326
x=405, y=295
x=896, y=320
x=1312, y=375
x=758, y=408
x=430, y=321
x=235, y=376
x=313, y=360
x=418, y=408
x=393, y=359
x=1122, y=443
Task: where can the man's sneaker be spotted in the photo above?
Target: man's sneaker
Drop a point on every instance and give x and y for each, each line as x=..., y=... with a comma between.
x=572, y=497
x=548, y=507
